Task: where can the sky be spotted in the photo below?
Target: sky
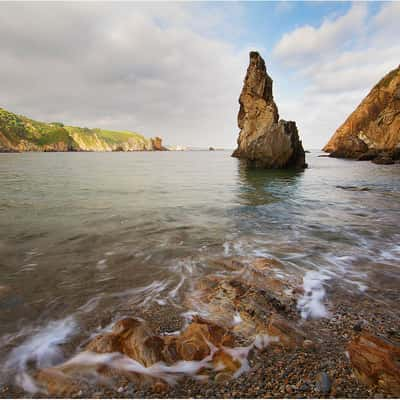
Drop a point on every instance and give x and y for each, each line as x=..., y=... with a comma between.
x=176, y=70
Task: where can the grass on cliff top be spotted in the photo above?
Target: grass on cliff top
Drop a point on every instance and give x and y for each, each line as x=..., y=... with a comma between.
x=88, y=136
x=17, y=127
x=115, y=137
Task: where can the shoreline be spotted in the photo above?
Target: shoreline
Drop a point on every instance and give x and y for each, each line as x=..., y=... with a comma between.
x=309, y=359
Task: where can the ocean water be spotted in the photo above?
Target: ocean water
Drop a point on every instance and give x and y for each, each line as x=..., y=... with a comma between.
x=83, y=234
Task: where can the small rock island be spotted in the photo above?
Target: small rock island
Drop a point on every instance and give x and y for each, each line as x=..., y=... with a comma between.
x=264, y=140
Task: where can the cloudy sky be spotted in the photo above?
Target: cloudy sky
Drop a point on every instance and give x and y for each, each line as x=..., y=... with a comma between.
x=176, y=69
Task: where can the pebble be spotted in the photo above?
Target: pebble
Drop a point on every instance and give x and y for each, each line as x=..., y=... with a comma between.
x=304, y=387
x=308, y=344
x=358, y=326
x=324, y=383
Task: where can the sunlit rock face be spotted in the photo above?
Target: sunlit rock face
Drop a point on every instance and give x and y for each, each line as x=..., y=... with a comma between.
x=372, y=131
x=264, y=140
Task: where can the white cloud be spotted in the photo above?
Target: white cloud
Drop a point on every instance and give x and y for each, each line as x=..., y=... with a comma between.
x=144, y=67
x=307, y=42
x=337, y=76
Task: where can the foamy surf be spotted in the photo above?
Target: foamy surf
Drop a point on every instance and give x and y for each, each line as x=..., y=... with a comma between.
x=41, y=350
x=311, y=303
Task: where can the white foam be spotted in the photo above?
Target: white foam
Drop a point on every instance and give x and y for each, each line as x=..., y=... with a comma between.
x=169, y=373
x=173, y=293
x=102, y=264
x=237, y=319
x=262, y=341
x=43, y=349
x=226, y=247
x=311, y=303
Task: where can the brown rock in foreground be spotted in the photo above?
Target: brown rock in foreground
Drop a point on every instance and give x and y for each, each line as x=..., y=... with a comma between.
x=373, y=129
x=375, y=361
x=132, y=351
x=264, y=140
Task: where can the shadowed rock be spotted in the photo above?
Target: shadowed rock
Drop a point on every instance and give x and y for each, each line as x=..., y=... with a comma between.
x=264, y=140
x=375, y=361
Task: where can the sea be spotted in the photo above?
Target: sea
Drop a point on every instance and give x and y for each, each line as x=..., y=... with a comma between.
x=84, y=235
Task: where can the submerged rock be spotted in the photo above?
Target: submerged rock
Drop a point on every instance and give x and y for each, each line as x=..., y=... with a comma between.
x=375, y=361
x=374, y=127
x=264, y=140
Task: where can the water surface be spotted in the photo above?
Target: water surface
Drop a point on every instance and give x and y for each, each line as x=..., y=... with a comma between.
x=81, y=233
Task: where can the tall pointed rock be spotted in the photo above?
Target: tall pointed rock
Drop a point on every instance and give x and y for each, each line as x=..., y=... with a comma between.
x=264, y=140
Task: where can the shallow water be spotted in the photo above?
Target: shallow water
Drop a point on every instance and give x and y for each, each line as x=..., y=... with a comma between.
x=81, y=233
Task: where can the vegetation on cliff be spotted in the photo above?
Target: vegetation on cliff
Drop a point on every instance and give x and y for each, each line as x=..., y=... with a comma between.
x=19, y=133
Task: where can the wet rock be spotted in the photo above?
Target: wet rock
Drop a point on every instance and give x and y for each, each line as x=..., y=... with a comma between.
x=290, y=336
x=308, y=344
x=193, y=344
x=264, y=140
x=4, y=291
x=375, y=361
x=358, y=326
x=244, y=303
x=56, y=383
x=383, y=159
x=223, y=361
x=133, y=338
x=368, y=155
x=354, y=188
x=222, y=377
x=323, y=383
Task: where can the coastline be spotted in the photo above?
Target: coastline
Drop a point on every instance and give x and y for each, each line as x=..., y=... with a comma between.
x=309, y=356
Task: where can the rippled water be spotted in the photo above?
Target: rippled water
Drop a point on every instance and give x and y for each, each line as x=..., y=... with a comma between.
x=85, y=233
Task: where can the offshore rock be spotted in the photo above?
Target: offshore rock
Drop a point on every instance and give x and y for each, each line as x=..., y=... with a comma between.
x=374, y=127
x=157, y=145
x=264, y=140
x=375, y=361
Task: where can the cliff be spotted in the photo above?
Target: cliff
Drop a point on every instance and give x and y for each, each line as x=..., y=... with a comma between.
x=264, y=140
x=19, y=133
x=372, y=131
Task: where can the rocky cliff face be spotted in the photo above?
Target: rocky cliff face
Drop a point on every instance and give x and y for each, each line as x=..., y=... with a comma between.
x=264, y=140
x=372, y=131
x=18, y=133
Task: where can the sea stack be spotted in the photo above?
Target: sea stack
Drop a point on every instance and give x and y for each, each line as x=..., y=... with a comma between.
x=372, y=131
x=157, y=145
x=264, y=140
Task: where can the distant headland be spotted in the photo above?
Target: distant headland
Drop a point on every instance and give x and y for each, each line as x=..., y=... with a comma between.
x=19, y=133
